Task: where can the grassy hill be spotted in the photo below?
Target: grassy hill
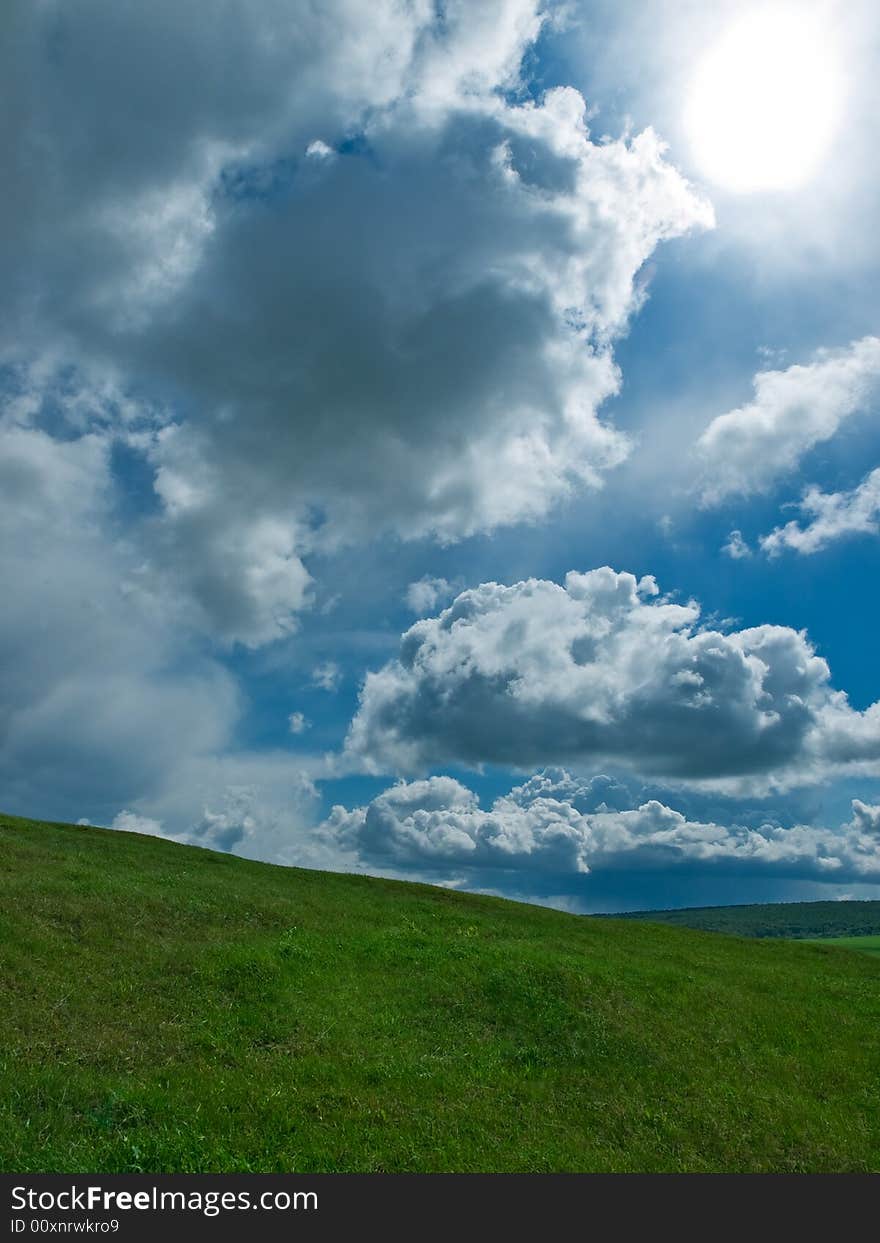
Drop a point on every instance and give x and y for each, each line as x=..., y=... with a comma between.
x=165, y=1008
x=779, y=919
x=863, y=945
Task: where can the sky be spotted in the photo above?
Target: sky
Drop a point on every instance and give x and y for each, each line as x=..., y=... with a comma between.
x=440, y=440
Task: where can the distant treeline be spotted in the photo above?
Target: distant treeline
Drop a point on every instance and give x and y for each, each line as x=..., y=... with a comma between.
x=778, y=919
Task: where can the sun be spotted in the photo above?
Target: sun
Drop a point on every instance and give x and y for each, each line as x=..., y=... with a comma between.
x=764, y=102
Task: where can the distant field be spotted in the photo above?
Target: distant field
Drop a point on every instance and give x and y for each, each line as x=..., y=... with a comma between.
x=164, y=1008
x=797, y=920
x=865, y=945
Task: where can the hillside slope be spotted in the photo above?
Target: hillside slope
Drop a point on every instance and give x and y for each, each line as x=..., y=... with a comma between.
x=166, y=1008
x=777, y=919
x=863, y=945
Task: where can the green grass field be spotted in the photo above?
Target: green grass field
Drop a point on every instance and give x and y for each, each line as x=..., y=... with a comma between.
x=164, y=1008
x=864, y=945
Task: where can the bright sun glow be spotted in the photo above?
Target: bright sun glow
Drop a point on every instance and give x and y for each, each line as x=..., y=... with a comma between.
x=764, y=102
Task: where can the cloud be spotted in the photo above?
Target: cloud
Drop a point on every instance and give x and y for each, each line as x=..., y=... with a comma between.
x=257, y=806
x=240, y=570
x=866, y=818
x=427, y=593
x=65, y=431
x=100, y=689
x=319, y=150
x=136, y=112
x=247, y=820
x=297, y=723
x=371, y=291
x=495, y=239
x=327, y=676
x=736, y=547
x=111, y=706
x=832, y=516
x=130, y=822
x=438, y=824
x=748, y=449
x=604, y=669
x=597, y=793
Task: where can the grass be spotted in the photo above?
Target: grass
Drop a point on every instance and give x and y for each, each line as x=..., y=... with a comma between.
x=864, y=945
x=164, y=1008
x=798, y=920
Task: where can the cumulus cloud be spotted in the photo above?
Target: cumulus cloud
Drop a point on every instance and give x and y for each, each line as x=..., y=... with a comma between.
x=375, y=292
x=597, y=793
x=497, y=238
x=297, y=723
x=866, y=818
x=605, y=669
x=831, y=516
x=747, y=450
x=239, y=570
x=438, y=824
x=427, y=593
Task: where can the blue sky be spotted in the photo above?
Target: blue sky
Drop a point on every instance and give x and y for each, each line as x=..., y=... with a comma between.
x=334, y=341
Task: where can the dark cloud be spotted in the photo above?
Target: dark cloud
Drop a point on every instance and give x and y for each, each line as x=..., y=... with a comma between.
x=369, y=292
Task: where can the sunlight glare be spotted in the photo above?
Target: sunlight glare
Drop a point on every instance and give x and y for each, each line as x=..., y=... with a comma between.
x=764, y=103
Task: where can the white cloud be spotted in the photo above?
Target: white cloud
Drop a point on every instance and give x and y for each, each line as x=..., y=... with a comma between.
x=832, y=516
x=319, y=150
x=297, y=723
x=736, y=547
x=427, y=593
x=438, y=824
x=130, y=822
x=605, y=669
x=748, y=449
